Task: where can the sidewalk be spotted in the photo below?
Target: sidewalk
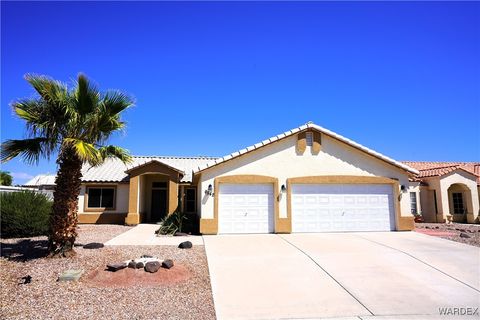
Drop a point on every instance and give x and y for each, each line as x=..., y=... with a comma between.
x=144, y=235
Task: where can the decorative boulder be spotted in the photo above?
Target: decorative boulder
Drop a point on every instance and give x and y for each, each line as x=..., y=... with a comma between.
x=167, y=264
x=185, y=245
x=464, y=235
x=132, y=264
x=93, y=245
x=152, y=266
x=116, y=266
x=139, y=265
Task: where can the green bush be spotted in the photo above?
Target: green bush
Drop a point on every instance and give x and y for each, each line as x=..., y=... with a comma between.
x=171, y=223
x=24, y=214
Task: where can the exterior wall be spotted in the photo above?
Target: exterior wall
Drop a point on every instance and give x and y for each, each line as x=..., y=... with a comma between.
x=427, y=200
x=283, y=161
x=104, y=216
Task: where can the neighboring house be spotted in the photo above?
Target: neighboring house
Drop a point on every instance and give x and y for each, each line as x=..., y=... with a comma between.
x=308, y=179
x=41, y=182
x=44, y=183
x=446, y=191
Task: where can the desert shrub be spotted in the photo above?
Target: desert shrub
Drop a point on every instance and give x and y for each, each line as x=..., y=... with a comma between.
x=172, y=223
x=24, y=214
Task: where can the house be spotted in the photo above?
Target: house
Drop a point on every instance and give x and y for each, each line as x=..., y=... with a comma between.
x=42, y=183
x=308, y=179
x=446, y=191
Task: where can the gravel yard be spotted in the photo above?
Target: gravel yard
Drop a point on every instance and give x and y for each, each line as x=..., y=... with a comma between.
x=45, y=298
x=471, y=232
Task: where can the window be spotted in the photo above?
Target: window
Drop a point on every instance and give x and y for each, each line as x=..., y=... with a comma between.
x=413, y=203
x=159, y=185
x=190, y=200
x=101, y=197
x=458, y=207
x=309, y=138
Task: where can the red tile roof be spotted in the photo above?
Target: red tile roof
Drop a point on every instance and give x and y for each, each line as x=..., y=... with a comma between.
x=433, y=169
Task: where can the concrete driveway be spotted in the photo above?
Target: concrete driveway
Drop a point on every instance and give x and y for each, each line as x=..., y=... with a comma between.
x=384, y=275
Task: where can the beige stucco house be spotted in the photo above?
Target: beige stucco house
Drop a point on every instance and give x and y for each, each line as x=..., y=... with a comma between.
x=446, y=191
x=308, y=179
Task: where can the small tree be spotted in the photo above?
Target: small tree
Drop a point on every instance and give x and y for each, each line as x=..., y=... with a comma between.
x=5, y=178
x=75, y=124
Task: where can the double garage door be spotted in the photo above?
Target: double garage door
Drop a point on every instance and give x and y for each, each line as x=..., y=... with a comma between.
x=249, y=208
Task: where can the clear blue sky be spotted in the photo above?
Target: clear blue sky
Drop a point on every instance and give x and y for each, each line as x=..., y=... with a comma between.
x=402, y=78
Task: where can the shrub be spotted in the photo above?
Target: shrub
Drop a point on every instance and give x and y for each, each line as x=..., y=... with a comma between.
x=171, y=223
x=24, y=214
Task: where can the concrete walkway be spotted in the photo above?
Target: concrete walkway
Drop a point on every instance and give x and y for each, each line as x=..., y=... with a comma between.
x=391, y=275
x=144, y=235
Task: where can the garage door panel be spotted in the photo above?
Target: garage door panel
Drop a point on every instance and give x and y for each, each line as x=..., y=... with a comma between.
x=324, y=208
x=245, y=208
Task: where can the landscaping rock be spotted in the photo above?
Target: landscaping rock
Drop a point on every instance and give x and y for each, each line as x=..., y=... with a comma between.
x=26, y=279
x=93, y=245
x=116, y=266
x=146, y=256
x=185, y=245
x=132, y=264
x=167, y=264
x=464, y=235
x=139, y=265
x=152, y=266
x=71, y=275
x=180, y=234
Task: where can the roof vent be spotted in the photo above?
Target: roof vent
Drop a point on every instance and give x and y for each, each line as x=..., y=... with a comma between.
x=309, y=122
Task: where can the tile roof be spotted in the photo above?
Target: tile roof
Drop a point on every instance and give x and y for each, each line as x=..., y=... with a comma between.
x=113, y=170
x=299, y=129
x=434, y=169
x=41, y=180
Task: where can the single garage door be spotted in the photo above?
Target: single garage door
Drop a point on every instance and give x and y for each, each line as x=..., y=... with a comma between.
x=245, y=208
x=342, y=207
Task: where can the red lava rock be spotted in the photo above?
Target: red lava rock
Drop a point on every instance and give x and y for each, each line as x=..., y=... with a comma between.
x=138, y=277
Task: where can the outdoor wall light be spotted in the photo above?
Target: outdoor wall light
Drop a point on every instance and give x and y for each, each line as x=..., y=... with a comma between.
x=403, y=188
x=209, y=190
x=283, y=188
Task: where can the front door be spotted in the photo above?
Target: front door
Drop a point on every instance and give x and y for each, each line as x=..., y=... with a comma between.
x=159, y=203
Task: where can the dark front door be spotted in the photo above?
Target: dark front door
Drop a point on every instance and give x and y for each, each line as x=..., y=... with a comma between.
x=159, y=204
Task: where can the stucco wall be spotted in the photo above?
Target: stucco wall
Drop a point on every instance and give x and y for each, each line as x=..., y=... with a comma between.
x=281, y=160
x=121, y=203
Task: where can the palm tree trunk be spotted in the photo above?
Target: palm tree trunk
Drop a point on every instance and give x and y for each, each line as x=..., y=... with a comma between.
x=63, y=221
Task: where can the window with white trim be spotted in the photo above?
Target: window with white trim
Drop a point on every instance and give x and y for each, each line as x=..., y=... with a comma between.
x=413, y=203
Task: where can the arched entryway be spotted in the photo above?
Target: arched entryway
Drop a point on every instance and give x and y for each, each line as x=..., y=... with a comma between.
x=459, y=202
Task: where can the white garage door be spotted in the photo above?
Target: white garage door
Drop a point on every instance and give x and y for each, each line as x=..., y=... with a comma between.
x=245, y=208
x=336, y=207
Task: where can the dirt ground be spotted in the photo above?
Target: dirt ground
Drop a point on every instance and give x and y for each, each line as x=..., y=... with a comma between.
x=452, y=231
x=183, y=292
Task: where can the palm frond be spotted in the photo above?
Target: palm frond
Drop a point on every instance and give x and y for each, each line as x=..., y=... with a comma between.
x=115, y=152
x=50, y=90
x=30, y=149
x=84, y=150
x=115, y=102
x=86, y=94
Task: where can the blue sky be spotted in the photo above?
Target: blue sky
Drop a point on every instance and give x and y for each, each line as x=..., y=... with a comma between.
x=209, y=78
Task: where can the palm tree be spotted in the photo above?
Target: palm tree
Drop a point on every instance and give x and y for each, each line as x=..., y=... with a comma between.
x=5, y=178
x=74, y=124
